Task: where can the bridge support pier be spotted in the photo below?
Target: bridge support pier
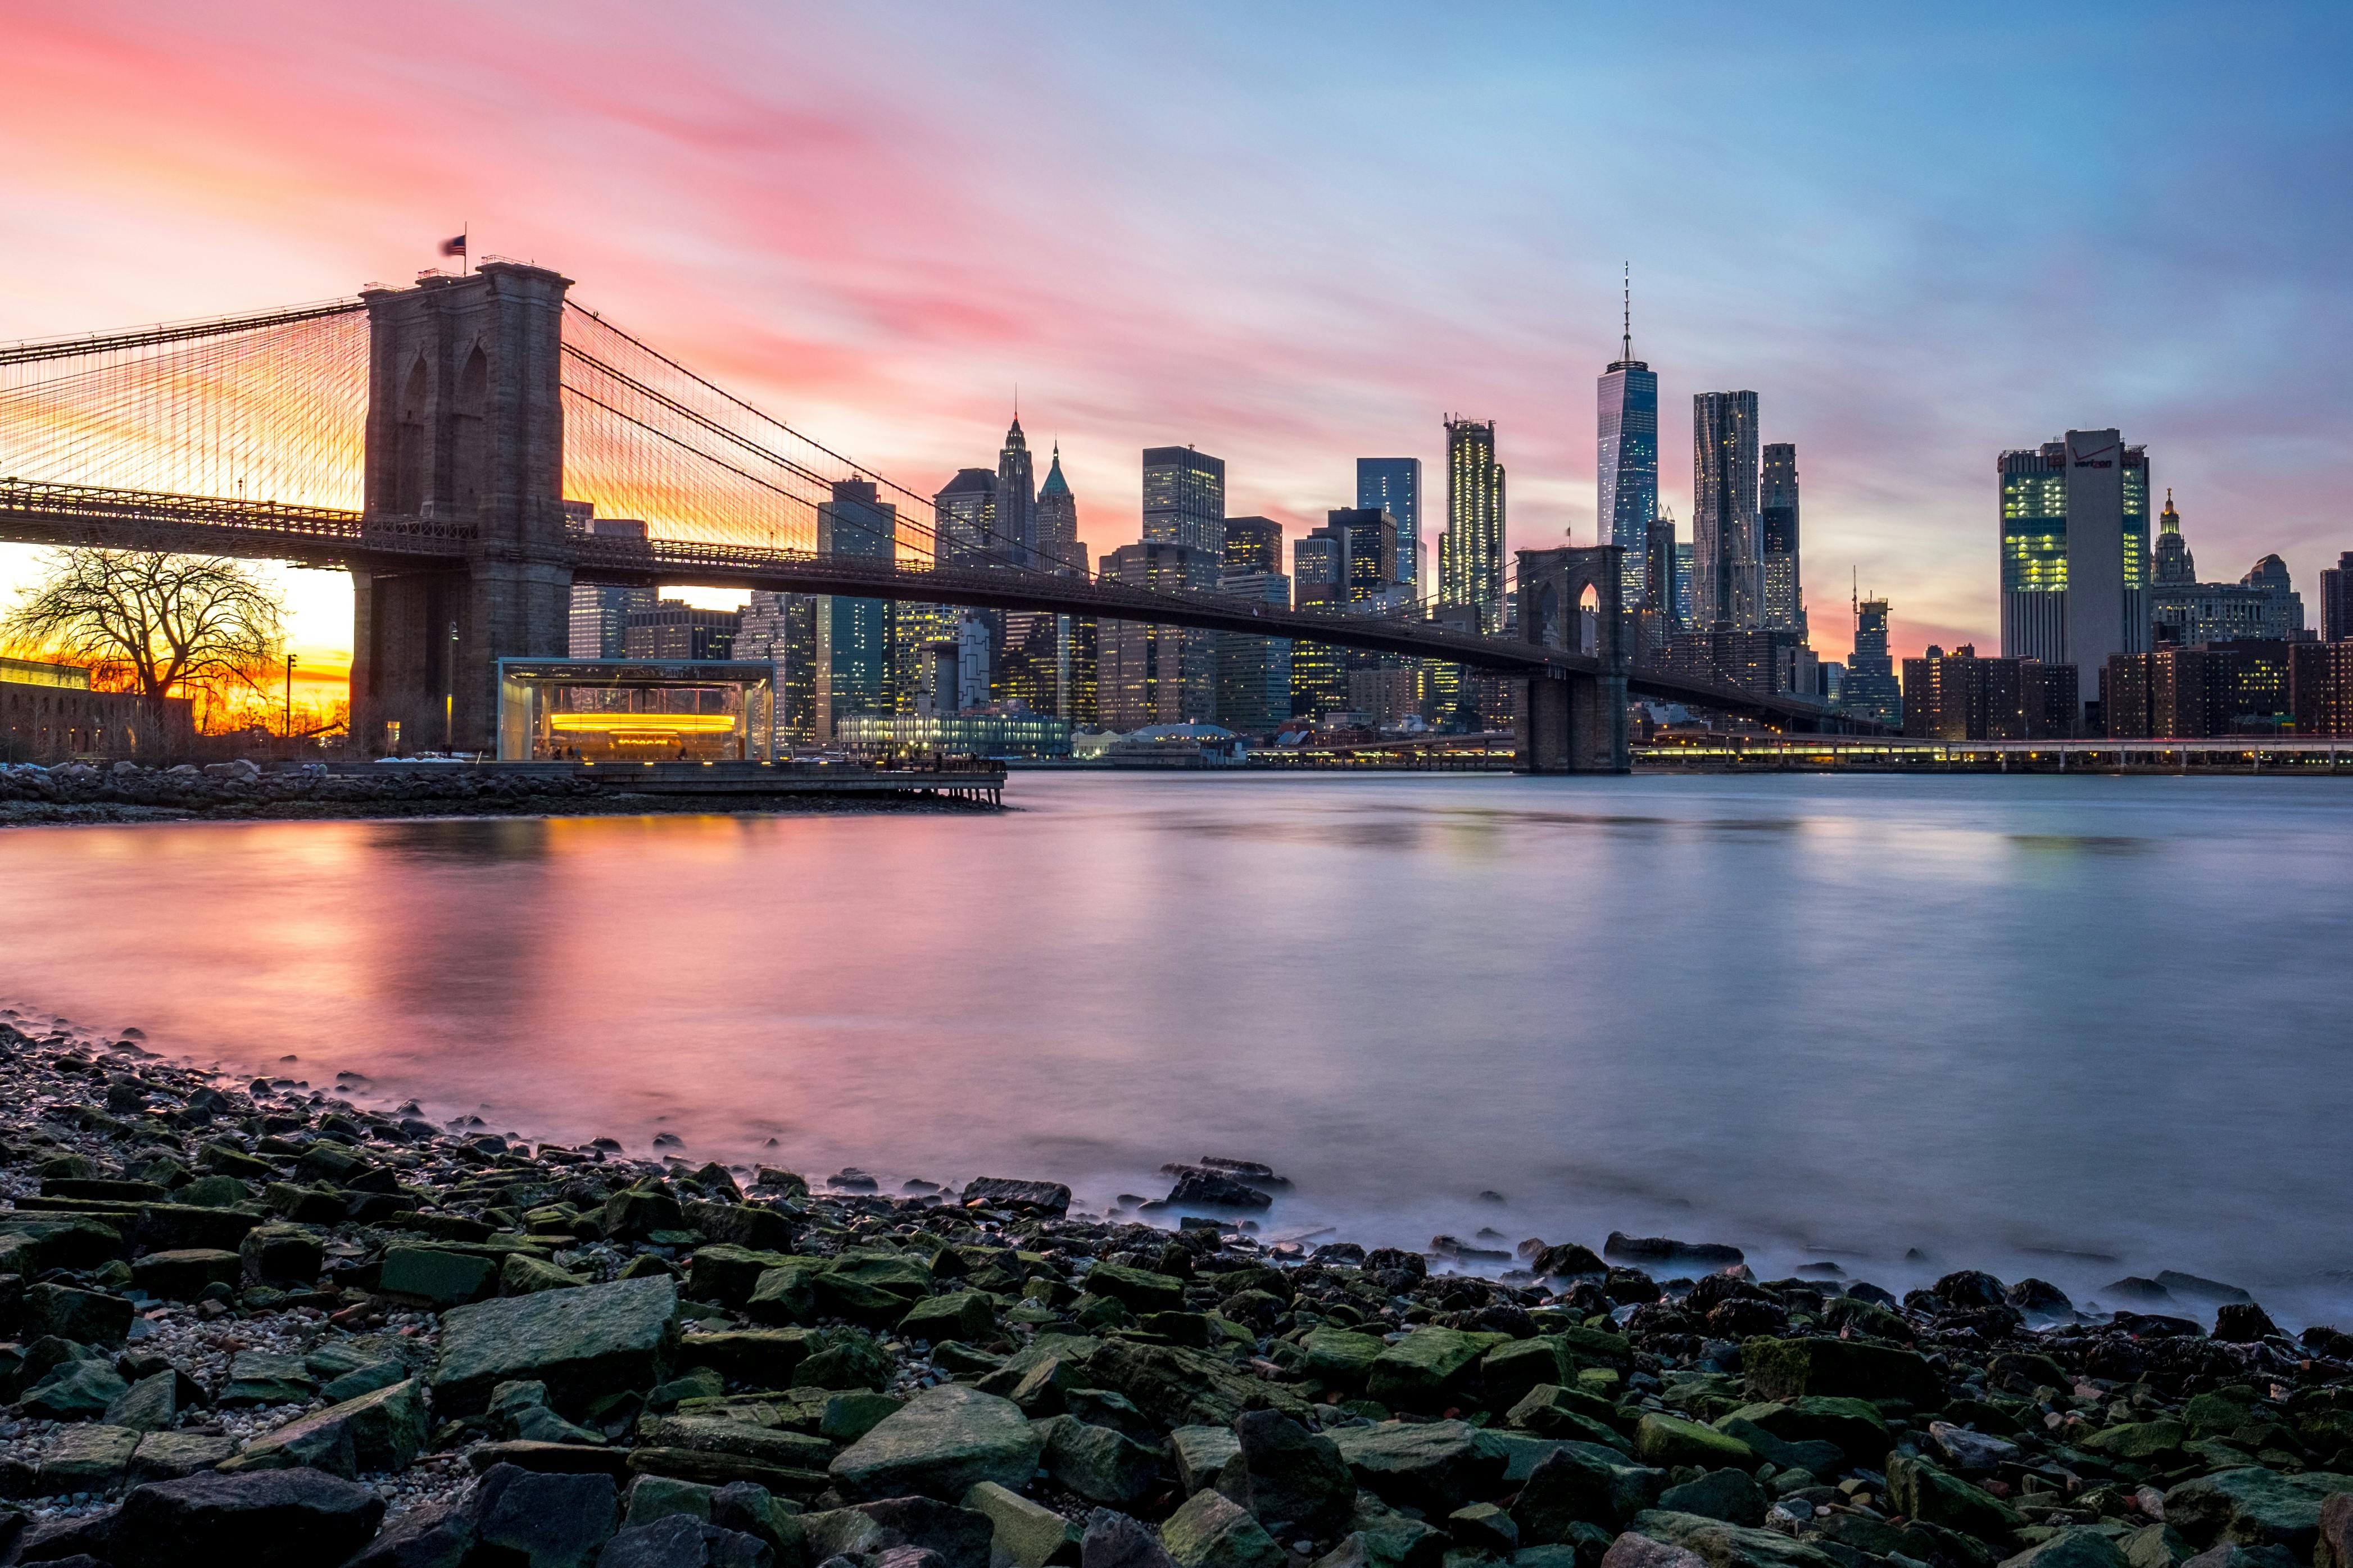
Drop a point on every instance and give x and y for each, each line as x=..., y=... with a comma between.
x=465, y=444
x=427, y=644
x=1568, y=599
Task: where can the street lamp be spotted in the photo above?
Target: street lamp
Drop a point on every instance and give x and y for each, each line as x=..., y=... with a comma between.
x=289, y=699
x=449, y=698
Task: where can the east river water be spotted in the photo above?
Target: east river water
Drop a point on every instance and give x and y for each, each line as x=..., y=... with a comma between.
x=2076, y=1029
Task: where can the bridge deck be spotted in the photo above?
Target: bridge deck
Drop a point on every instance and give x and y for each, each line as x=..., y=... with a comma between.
x=38, y=513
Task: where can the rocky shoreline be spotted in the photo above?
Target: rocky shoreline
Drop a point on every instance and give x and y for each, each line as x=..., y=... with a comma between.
x=33, y=795
x=260, y=1323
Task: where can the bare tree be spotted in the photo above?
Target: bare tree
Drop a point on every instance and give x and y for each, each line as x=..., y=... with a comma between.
x=155, y=623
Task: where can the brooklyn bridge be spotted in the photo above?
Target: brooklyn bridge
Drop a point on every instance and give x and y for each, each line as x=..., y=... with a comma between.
x=426, y=439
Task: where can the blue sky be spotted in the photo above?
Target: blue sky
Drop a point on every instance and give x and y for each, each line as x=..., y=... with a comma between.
x=1293, y=236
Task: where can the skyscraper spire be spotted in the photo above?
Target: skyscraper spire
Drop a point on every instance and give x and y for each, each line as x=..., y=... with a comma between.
x=1626, y=344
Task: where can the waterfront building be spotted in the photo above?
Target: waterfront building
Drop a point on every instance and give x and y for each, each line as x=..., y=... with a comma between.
x=1387, y=694
x=1184, y=504
x=2075, y=553
x=1960, y=697
x=48, y=714
x=1009, y=731
x=780, y=630
x=1626, y=477
x=1319, y=679
x=853, y=635
x=2253, y=686
x=1470, y=551
x=1253, y=673
x=1251, y=544
x=1017, y=501
x=2263, y=605
x=1777, y=527
x=2321, y=687
x=1155, y=674
x=1869, y=689
x=1393, y=485
x=965, y=521
x=599, y=626
x=1767, y=662
x=674, y=629
x=2337, y=600
x=1727, y=572
x=916, y=627
x=1364, y=543
x=1058, y=548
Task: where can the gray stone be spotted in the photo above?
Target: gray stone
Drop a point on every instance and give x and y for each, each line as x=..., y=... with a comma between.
x=86, y=1317
x=434, y=1535
x=74, y=1391
x=1632, y=1551
x=1115, y=1541
x=1002, y=1192
x=168, y=1455
x=751, y=1509
x=1437, y=1466
x=1027, y=1534
x=1291, y=1479
x=87, y=1459
x=658, y=1497
x=681, y=1540
x=1727, y=1494
x=269, y=1519
x=153, y=1403
x=1201, y=1454
x=266, y=1378
x=1584, y=1483
x=944, y=1442
x=596, y=1339
x=549, y=1519
x=2078, y=1548
x=1720, y=1545
x=383, y=1430
x=2254, y=1507
x=1101, y=1465
x=1211, y=1530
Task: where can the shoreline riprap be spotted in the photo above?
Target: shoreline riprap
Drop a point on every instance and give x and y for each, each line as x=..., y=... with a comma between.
x=79, y=793
x=261, y=1323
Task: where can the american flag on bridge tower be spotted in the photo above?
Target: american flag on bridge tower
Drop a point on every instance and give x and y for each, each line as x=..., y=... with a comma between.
x=454, y=246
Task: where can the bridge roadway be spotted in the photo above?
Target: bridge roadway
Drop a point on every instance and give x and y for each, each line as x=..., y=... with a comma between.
x=38, y=512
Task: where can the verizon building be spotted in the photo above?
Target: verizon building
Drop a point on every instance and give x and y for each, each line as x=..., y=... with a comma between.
x=2075, y=553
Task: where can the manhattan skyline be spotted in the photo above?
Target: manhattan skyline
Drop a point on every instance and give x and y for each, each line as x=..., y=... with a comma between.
x=1901, y=308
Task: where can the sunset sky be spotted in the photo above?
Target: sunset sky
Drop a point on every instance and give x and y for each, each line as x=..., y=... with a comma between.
x=1296, y=235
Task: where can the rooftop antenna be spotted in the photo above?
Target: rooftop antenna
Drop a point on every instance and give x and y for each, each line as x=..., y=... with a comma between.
x=1626, y=344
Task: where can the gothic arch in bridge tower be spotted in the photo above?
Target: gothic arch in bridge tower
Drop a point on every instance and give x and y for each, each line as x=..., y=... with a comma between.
x=411, y=450
x=1574, y=722
x=469, y=437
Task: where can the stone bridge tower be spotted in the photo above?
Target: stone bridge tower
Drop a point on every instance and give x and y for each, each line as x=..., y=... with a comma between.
x=1569, y=600
x=465, y=441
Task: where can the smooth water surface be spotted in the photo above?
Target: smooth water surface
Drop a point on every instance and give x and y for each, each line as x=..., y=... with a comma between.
x=2071, y=1028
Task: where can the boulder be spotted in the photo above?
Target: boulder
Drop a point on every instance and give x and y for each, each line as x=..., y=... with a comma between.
x=1584, y=1483
x=546, y=1519
x=596, y=1340
x=266, y=1378
x=181, y=1275
x=2082, y=1547
x=1180, y=1387
x=1667, y=1441
x=92, y=1458
x=1632, y=1551
x=74, y=1391
x=523, y=1275
x=1427, y=1368
x=1209, y=1530
x=2251, y=1505
x=765, y=1358
x=946, y=1441
x=168, y=1455
x=1115, y=1541
x=1339, y=1358
x=1856, y=1425
x=1291, y=1479
x=281, y=1254
x=1002, y=1192
x=2334, y=1546
x=959, y=1315
x=268, y=1519
x=1727, y=1494
x=86, y=1317
x=1921, y=1491
x=1794, y=1368
x=434, y=1535
x=2140, y=1441
x=681, y=1540
x=786, y=1293
x=382, y=1430
x=727, y=1274
x=440, y=1278
x=1436, y=1466
x=1101, y=1465
x=1201, y=1454
x=1025, y=1534
x=1139, y=1290
x=153, y=1403
x=1720, y=1545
